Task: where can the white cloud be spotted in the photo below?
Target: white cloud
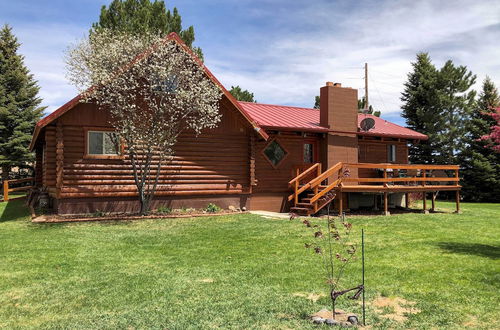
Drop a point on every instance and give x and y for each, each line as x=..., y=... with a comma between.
x=304, y=44
x=385, y=34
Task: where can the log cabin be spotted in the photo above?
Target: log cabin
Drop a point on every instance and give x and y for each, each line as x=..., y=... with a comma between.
x=260, y=157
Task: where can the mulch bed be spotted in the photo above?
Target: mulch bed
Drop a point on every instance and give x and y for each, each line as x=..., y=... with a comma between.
x=53, y=218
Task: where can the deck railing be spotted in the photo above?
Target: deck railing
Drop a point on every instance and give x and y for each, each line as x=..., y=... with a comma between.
x=392, y=177
x=7, y=186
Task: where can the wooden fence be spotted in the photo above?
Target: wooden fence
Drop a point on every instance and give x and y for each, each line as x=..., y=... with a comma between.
x=8, y=186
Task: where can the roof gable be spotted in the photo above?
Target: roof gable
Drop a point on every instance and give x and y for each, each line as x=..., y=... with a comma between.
x=170, y=37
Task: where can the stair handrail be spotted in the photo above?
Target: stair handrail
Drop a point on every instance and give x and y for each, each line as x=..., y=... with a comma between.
x=327, y=189
x=297, y=191
x=303, y=174
x=326, y=174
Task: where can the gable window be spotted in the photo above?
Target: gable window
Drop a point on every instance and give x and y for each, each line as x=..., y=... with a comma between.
x=102, y=143
x=391, y=153
x=275, y=153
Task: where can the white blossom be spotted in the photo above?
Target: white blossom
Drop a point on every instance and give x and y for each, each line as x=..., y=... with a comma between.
x=153, y=89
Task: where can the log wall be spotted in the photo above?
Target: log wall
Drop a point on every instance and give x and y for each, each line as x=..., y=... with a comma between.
x=217, y=162
x=372, y=150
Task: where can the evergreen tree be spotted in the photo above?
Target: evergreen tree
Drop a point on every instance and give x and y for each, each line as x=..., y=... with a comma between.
x=456, y=103
x=144, y=16
x=481, y=165
x=19, y=105
x=316, y=102
x=437, y=103
x=242, y=94
x=362, y=106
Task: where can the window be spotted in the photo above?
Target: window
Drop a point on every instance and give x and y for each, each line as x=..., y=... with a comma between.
x=308, y=153
x=168, y=85
x=274, y=153
x=391, y=153
x=102, y=143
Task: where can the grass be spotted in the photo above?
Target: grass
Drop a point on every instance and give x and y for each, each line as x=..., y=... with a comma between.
x=241, y=271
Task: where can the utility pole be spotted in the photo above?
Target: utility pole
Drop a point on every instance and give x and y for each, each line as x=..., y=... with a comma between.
x=366, y=87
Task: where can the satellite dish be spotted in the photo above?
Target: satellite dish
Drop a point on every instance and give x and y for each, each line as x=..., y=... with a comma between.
x=367, y=124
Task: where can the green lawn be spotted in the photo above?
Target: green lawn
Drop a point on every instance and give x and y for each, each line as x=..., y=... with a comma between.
x=241, y=271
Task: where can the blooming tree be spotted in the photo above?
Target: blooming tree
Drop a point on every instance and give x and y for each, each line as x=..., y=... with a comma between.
x=494, y=137
x=154, y=90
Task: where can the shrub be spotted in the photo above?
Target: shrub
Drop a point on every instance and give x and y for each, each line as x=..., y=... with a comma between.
x=164, y=210
x=212, y=208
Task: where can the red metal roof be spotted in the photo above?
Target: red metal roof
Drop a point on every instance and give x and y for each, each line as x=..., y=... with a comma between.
x=306, y=119
x=284, y=117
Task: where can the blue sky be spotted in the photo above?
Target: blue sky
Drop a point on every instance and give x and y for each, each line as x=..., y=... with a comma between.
x=282, y=50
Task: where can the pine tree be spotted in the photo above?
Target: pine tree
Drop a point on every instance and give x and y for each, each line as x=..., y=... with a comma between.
x=362, y=106
x=19, y=105
x=144, y=16
x=481, y=165
x=437, y=103
x=316, y=102
x=456, y=103
x=242, y=94
x=419, y=108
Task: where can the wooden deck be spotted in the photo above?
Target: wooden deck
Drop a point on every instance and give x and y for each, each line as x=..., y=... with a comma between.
x=314, y=189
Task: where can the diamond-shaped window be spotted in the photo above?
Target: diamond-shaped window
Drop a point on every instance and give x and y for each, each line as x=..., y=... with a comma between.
x=275, y=153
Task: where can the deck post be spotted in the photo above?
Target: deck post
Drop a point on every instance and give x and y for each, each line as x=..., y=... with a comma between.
x=296, y=197
x=424, y=202
x=457, y=196
x=6, y=190
x=433, y=208
x=407, y=200
x=386, y=205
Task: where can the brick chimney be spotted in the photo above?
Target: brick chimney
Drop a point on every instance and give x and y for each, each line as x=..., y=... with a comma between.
x=339, y=112
x=339, y=107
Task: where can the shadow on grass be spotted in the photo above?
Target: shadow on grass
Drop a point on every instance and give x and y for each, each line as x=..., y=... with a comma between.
x=13, y=210
x=482, y=250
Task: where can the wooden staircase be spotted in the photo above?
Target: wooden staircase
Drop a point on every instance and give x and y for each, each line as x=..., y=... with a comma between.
x=310, y=194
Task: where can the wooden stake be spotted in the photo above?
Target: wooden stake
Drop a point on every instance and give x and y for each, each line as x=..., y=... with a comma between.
x=341, y=202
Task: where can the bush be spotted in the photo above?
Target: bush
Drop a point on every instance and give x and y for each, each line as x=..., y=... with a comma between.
x=164, y=210
x=212, y=208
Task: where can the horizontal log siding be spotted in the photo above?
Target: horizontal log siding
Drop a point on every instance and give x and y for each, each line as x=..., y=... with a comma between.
x=49, y=162
x=215, y=162
x=375, y=151
x=209, y=163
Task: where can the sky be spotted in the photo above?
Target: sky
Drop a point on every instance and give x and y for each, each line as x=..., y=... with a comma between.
x=285, y=50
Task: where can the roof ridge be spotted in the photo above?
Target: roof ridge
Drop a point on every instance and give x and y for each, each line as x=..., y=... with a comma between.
x=278, y=105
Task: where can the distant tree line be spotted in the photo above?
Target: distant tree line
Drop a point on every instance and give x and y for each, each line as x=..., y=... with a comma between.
x=361, y=106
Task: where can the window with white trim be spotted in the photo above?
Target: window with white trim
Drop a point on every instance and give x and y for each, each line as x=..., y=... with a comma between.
x=391, y=153
x=102, y=143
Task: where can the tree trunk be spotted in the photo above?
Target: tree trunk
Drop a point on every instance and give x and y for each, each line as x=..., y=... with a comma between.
x=144, y=205
x=5, y=172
